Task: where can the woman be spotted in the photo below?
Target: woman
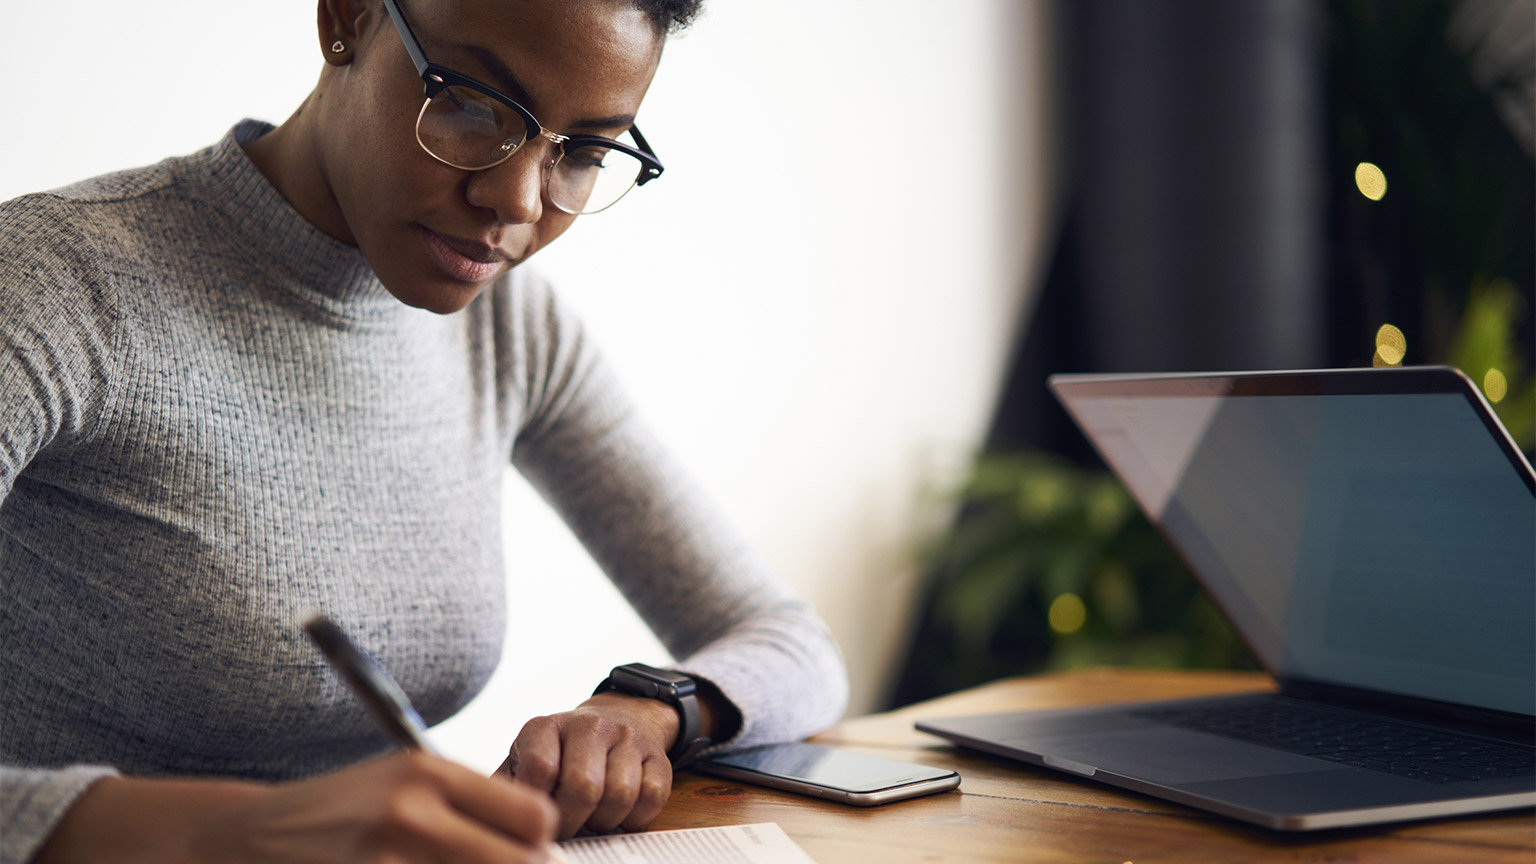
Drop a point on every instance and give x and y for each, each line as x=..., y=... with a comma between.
x=286, y=373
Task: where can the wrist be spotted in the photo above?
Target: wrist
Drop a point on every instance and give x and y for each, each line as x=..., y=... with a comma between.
x=718, y=718
x=657, y=720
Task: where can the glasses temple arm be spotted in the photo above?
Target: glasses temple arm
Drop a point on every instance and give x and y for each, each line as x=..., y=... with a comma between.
x=652, y=171
x=408, y=36
x=645, y=146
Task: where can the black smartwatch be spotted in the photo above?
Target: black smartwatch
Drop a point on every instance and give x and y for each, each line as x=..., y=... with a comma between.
x=673, y=688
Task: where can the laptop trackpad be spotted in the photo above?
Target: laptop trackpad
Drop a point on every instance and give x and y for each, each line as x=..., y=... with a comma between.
x=1167, y=755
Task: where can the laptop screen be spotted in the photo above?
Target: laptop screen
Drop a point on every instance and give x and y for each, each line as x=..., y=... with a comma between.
x=1369, y=529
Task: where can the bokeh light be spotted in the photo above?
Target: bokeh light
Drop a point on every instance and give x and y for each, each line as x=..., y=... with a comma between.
x=1391, y=346
x=1494, y=386
x=1370, y=180
x=1068, y=614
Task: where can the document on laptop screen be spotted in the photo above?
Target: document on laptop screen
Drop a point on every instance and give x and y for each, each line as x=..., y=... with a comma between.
x=1380, y=541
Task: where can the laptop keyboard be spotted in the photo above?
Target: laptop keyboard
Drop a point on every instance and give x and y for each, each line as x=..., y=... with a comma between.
x=1407, y=751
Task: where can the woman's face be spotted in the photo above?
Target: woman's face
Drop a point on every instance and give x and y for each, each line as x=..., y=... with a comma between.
x=436, y=235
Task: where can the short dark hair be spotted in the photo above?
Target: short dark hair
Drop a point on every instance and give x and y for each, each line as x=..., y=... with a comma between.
x=670, y=16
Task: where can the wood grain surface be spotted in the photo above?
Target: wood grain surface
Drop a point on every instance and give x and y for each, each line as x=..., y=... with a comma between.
x=1007, y=811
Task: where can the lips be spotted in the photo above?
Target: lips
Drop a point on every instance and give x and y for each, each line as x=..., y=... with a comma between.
x=465, y=260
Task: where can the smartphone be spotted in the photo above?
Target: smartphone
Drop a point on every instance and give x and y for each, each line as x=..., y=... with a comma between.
x=825, y=772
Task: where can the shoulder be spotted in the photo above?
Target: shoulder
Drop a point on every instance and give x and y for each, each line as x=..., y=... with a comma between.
x=544, y=355
x=120, y=186
x=64, y=255
x=51, y=255
x=70, y=232
x=94, y=203
x=61, y=318
x=77, y=242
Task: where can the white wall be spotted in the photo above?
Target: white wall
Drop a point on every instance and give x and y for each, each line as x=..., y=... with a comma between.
x=814, y=305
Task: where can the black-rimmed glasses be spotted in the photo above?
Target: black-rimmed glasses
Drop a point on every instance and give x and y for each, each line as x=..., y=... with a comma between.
x=473, y=126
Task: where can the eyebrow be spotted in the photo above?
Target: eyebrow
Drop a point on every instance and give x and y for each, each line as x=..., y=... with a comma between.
x=514, y=88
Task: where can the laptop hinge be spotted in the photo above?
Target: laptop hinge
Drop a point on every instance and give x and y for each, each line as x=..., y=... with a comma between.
x=1486, y=721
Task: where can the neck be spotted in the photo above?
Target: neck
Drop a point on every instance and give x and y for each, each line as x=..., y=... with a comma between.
x=289, y=159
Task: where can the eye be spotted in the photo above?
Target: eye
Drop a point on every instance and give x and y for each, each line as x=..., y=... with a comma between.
x=478, y=110
x=468, y=129
x=471, y=112
x=587, y=158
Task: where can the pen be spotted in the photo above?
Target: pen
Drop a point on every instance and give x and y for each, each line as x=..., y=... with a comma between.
x=379, y=692
x=371, y=684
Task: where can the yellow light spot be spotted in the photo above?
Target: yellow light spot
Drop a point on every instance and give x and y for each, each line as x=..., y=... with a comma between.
x=1494, y=386
x=1391, y=345
x=1371, y=182
x=1067, y=614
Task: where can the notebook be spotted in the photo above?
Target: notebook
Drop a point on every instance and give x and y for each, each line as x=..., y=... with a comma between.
x=1371, y=534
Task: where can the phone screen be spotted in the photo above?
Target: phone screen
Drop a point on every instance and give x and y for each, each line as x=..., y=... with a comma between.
x=825, y=766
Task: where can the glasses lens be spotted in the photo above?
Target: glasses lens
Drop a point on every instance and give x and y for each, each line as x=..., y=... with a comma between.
x=589, y=179
x=468, y=129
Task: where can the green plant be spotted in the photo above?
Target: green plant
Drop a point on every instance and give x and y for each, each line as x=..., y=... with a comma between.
x=1483, y=345
x=1054, y=567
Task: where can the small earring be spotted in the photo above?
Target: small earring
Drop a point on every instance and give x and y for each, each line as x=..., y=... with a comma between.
x=337, y=47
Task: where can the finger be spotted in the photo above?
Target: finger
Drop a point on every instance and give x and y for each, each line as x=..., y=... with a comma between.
x=513, y=808
x=419, y=818
x=621, y=789
x=583, y=778
x=655, y=788
x=535, y=755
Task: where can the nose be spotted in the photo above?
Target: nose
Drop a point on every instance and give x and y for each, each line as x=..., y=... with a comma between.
x=514, y=190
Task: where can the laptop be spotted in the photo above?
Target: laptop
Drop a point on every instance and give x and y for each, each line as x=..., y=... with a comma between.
x=1371, y=534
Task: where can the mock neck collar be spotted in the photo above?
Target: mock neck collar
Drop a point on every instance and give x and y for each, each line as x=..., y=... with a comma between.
x=315, y=266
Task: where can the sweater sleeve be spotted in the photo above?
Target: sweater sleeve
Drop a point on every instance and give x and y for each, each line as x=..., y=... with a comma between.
x=57, y=328
x=33, y=802
x=58, y=320
x=687, y=574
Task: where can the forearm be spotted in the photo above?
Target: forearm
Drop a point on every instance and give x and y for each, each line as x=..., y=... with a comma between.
x=128, y=820
x=406, y=807
x=779, y=672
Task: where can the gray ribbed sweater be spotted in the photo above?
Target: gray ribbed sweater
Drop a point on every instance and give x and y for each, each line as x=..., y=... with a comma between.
x=213, y=417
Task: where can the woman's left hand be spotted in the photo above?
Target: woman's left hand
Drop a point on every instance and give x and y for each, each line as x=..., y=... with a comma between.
x=605, y=763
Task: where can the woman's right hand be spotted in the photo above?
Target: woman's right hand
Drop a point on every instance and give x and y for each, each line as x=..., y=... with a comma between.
x=407, y=807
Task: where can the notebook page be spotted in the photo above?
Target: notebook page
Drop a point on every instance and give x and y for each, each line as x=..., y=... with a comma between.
x=761, y=843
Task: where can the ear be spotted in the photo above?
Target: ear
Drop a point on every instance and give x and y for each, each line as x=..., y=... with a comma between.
x=341, y=24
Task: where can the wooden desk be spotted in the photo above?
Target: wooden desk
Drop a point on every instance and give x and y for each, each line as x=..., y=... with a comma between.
x=1007, y=811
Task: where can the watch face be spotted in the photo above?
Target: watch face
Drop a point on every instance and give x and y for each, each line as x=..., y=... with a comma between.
x=666, y=675
x=648, y=681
